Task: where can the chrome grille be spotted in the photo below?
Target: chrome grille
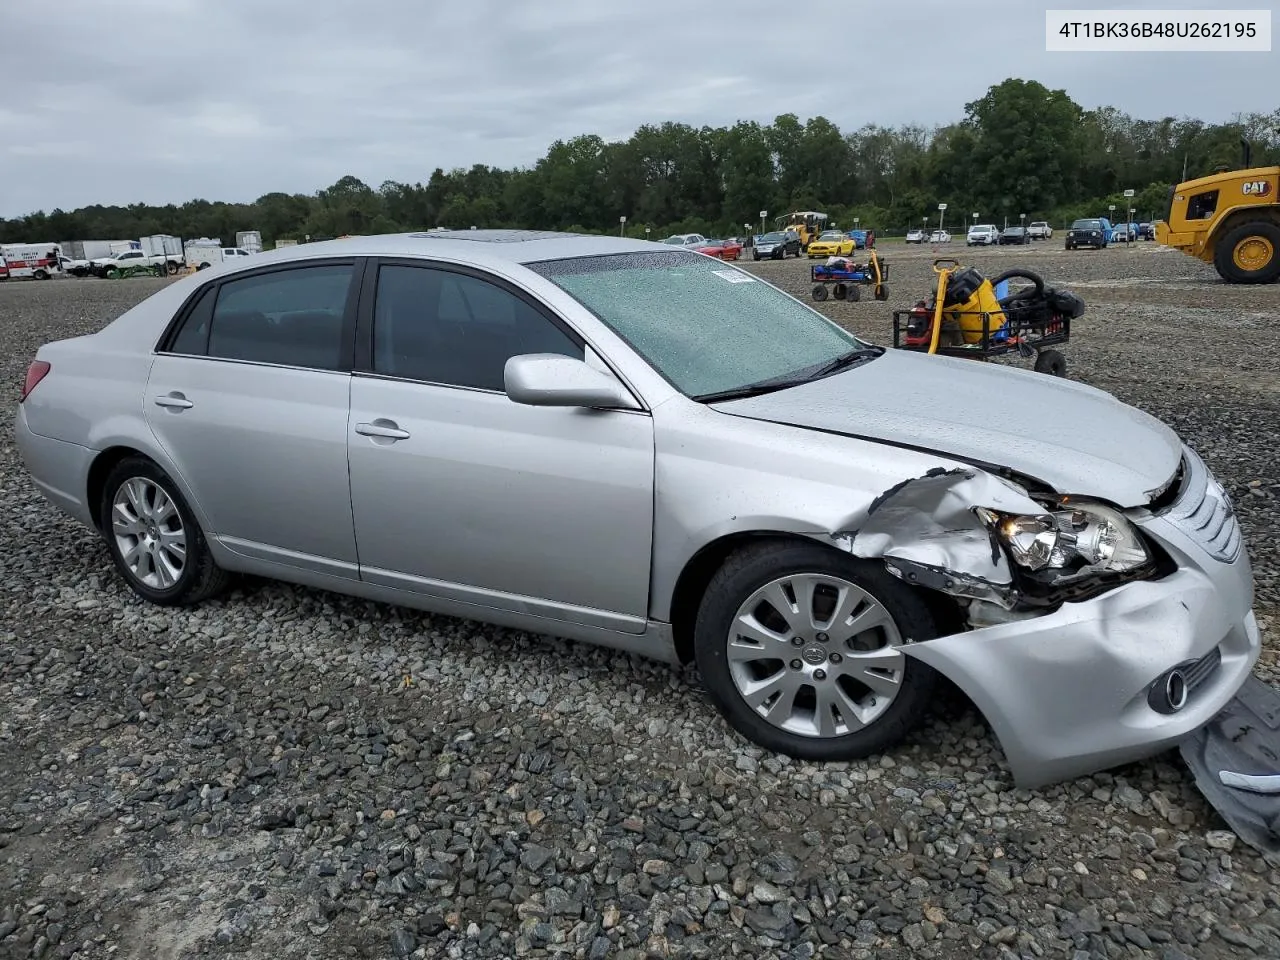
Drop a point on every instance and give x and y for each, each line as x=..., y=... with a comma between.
x=1202, y=510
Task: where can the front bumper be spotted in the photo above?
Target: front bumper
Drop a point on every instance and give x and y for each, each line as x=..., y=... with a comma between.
x=1067, y=693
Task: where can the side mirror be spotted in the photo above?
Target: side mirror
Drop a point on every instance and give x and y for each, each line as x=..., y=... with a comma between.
x=554, y=380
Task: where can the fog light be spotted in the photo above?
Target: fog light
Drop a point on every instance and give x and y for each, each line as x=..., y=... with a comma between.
x=1175, y=690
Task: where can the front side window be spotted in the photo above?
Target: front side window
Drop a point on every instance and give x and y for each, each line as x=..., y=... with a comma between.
x=291, y=317
x=456, y=329
x=704, y=326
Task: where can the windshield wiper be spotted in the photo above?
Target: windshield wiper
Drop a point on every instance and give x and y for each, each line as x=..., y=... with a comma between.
x=750, y=390
x=846, y=360
x=842, y=362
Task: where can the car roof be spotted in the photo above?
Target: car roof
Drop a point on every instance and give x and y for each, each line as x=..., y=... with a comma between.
x=481, y=247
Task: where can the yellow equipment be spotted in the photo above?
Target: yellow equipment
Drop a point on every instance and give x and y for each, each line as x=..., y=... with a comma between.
x=967, y=308
x=807, y=223
x=1231, y=220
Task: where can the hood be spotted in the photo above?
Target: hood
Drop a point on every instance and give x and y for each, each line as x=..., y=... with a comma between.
x=1075, y=438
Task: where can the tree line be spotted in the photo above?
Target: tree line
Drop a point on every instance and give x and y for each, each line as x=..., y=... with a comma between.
x=1021, y=148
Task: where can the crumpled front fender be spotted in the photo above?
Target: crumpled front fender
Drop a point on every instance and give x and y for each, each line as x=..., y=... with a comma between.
x=929, y=534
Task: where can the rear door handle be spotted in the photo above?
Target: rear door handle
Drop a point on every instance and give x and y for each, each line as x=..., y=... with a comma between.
x=174, y=400
x=382, y=428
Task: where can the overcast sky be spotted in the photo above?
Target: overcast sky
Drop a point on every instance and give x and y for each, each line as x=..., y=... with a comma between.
x=162, y=101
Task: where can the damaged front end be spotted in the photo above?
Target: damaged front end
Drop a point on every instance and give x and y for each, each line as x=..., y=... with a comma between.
x=1072, y=674
x=1004, y=551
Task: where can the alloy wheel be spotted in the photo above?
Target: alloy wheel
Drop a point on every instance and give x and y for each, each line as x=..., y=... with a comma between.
x=149, y=533
x=815, y=655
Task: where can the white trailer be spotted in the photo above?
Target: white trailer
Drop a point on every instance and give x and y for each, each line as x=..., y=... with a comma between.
x=165, y=249
x=249, y=240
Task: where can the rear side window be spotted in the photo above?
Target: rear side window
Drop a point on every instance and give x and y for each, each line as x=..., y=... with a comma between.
x=290, y=317
x=193, y=338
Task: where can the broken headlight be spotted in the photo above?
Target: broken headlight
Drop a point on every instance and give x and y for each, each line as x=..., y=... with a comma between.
x=1073, y=539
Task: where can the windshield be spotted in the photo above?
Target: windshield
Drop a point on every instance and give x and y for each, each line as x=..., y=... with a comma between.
x=705, y=326
x=832, y=235
x=1086, y=225
x=675, y=241
x=773, y=237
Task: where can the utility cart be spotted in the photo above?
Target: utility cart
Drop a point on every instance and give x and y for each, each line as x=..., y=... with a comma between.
x=970, y=316
x=846, y=278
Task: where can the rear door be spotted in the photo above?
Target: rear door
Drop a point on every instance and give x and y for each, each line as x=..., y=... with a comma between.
x=249, y=398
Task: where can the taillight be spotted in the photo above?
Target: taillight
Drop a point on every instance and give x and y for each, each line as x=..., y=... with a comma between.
x=35, y=373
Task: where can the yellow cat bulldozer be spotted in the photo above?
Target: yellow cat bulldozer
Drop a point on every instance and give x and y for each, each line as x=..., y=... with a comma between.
x=1230, y=219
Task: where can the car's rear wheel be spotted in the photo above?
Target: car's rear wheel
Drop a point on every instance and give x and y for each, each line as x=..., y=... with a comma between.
x=154, y=538
x=799, y=647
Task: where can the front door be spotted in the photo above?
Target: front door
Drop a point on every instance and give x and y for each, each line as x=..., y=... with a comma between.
x=461, y=493
x=249, y=399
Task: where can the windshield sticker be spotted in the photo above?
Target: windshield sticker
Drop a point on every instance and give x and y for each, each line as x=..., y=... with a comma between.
x=734, y=276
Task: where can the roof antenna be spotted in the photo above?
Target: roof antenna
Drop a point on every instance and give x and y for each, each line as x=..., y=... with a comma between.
x=1246, y=152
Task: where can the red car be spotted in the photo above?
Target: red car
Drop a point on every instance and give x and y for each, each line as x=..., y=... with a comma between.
x=721, y=249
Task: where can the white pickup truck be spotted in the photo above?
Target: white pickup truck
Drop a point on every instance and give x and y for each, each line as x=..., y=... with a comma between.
x=1040, y=230
x=127, y=262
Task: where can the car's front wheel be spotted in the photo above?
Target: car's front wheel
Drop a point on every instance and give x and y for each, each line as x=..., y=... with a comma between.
x=800, y=648
x=153, y=536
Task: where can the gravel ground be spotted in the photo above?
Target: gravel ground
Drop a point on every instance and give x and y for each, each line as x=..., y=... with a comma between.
x=289, y=773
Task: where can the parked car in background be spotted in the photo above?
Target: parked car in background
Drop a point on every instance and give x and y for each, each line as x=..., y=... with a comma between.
x=917, y=236
x=982, y=235
x=629, y=445
x=202, y=256
x=1017, y=234
x=1147, y=231
x=862, y=239
x=1092, y=232
x=75, y=268
x=831, y=243
x=939, y=236
x=129, y=262
x=777, y=245
x=1040, y=230
x=685, y=239
x=1124, y=233
x=720, y=249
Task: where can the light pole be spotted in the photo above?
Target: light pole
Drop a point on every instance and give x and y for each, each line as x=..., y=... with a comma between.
x=975, y=218
x=942, y=212
x=763, y=214
x=1111, y=209
x=647, y=231
x=1129, y=226
x=622, y=226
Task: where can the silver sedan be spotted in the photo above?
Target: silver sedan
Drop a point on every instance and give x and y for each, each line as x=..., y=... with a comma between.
x=645, y=448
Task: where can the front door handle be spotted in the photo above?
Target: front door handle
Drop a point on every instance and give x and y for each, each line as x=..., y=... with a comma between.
x=382, y=428
x=175, y=401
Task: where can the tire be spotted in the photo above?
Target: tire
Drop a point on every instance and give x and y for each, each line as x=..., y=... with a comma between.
x=854, y=294
x=755, y=255
x=203, y=266
x=758, y=570
x=112, y=274
x=1051, y=362
x=819, y=292
x=839, y=291
x=40, y=275
x=1261, y=236
x=170, y=267
x=198, y=578
x=882, y=292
